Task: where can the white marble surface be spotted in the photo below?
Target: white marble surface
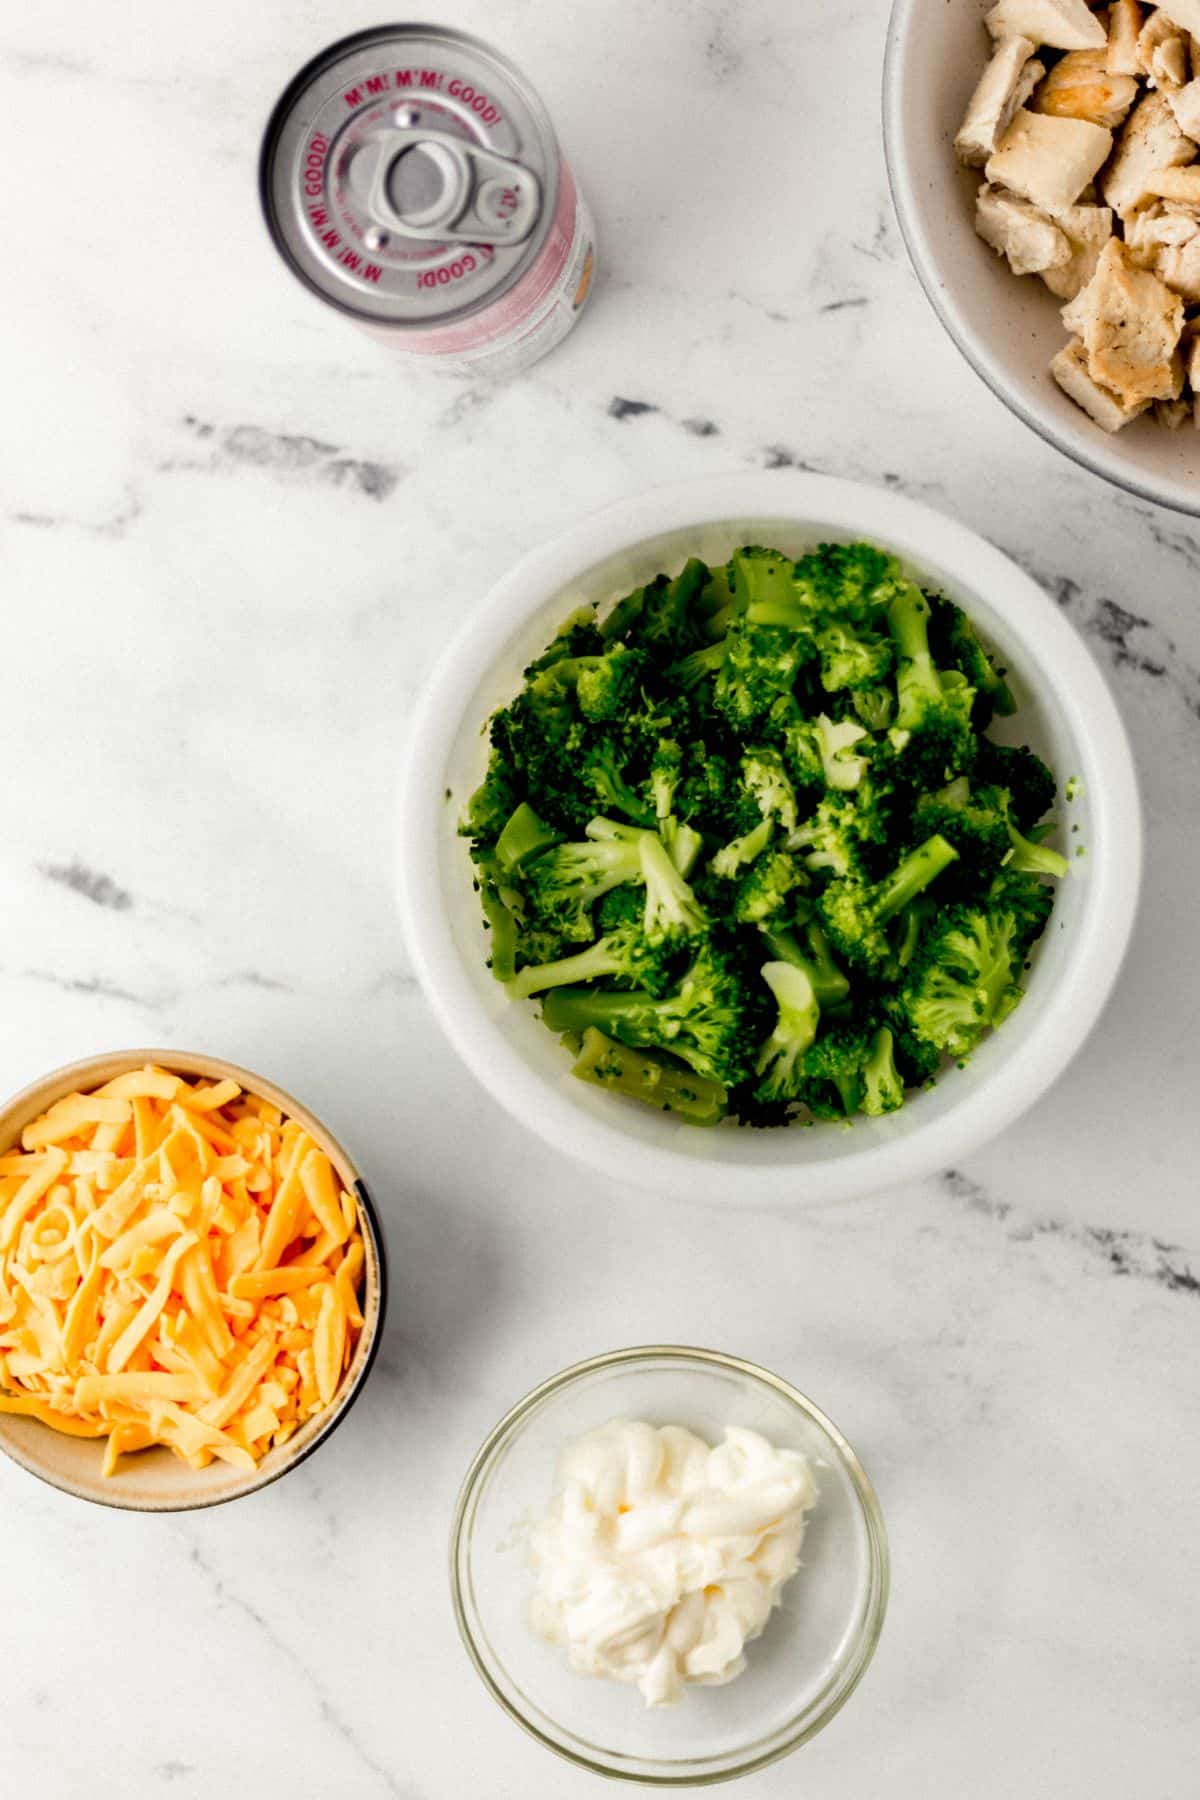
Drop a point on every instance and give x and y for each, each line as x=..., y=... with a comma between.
x=234, y=536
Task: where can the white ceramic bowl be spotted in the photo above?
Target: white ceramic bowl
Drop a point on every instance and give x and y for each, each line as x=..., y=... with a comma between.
x=1007, y=328
x=1065, y=712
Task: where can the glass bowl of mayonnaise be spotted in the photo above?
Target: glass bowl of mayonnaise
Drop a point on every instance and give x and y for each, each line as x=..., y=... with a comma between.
x=669, y=1566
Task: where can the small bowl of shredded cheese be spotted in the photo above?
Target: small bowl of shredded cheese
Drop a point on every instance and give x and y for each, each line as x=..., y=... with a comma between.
x=192, y=1281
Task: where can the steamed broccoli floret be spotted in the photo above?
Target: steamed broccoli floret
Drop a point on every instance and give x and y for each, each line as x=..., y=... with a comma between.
x=855, y=912
x=604, y=686
x=768, y=782
x=882, y=1086
x=850, y=659
x=978, y=831
x=875, y=707
x=602, y=768
x=932, y=736
x=672, y=909
x=624, y=954
x=683, y=843
x=778, y=1065
x=842, y=828
x=956, y=644
x=847, y=581
x=759, y=667
x=563, y=884
x=671, y=622
x=832, y=1071
x=492, y=803
x=705, y=1022
x=1022, y=774
x=740, y=852
x=965, y=979
x=825, y=751
x=1028, y=899
x=767, y=888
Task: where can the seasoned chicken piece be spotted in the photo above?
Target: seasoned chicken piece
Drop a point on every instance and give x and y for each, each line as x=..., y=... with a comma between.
x=1156, y=227
x=1087, y=229
x=1184, y=13
x=1179, y=185
x=1069, y=369
x=1005, y=85
x=1130, y=325
x=1063, y=24
x=1049, y=161
x=1080, y=87
x=1178, y=265
x=1150, y=141
x=1162, y=51
x=1029, y=240
x=1185, y=105
x=1124, y=27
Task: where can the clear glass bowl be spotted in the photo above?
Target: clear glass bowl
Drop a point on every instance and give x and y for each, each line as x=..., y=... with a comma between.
x=799, y=1672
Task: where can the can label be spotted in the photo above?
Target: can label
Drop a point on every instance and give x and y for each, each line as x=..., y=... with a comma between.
x=535, y=315
x=411, y=178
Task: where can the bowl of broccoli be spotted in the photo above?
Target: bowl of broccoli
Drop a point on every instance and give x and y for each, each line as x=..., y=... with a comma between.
x=768, y=837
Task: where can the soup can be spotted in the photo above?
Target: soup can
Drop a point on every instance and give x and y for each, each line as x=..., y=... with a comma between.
x=411, y=178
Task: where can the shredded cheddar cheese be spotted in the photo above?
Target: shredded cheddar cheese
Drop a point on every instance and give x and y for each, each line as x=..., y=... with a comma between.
x=179, y=1265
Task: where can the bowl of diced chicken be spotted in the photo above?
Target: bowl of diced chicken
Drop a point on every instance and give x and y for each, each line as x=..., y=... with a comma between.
x=1044, y=157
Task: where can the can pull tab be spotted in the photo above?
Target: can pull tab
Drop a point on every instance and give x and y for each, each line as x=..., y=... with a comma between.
x=432, y=186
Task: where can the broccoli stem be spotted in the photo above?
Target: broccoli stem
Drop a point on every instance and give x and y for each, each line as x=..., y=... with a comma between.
x=503, y=929
x=828, y=983
x=600, y=959
x=913, y=876
x=917, y=678
x=523, y=836
x=640, y=1076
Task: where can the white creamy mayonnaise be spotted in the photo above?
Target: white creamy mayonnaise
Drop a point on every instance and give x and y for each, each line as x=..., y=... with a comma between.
x=661, y=1557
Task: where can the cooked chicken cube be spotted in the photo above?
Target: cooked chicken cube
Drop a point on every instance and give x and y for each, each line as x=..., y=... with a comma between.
x=1029, y=240
x=1155, y=227
x=1124, y=28
x=1069, y=369
x=1080, y=87
x=1179, y=185
x=1184, y=13
x=1178, y=265
x=1162, y=51
x=1130, y=325
x=1049, y=161
x=1063, y=24
x=1087, y=230
x=1185, y=105
x=1005, y=85
x=1151, y=140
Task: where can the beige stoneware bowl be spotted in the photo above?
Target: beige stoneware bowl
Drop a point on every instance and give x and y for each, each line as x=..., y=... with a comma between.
x=157, y=1480
x=1008, y=328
